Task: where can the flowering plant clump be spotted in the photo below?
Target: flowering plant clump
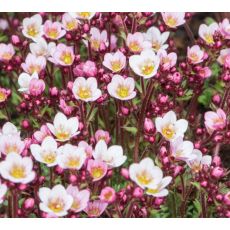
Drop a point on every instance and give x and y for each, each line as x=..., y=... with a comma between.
x=114, y=115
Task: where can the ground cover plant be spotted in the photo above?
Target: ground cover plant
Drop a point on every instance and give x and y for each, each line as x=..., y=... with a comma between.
x=114, y=115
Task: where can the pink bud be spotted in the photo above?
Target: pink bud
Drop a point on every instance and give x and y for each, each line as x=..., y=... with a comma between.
x=149, y=126
x=90, y=69
x=29, y=203
x=53, y=91
x=138, y=192
x=204, y=184
x=72, y=178
x=227, y=198
x=15, y=40
x=159, y=201
x=36, y=87
x=217, y=172
x=125, y=173
x=216, y=161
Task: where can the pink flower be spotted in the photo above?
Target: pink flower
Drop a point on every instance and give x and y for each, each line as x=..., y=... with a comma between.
x=136, y=42
x=225, y=28
x=205, y=72
x=227, y=198
x=53, y=30
x=114, y=61
x=97, y=169
x=33, y=64
x=149, y=126
x=80, y=198
x=63, y=55
x=87, y=148
x=6, y=52
x=65, y=108
x=3, y=95
x=173, y=19
x=42, y=133
x=69, y=23
x=95, y=208
x=215, y=120
x=224, y=55
x=36, y=87
x=90, y=69
x=102, y=135
x=108, y=195
x=217, y=172
x=167, y=61
x=207, y=32
x=195, y=55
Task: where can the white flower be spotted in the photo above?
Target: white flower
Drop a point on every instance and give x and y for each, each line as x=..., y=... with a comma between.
x=17, y=169
x=146, y=64
x=3, y=191
x=122, y=88
x=182, y=150
x=71, y=157
x=9, y=129
x=195, y=55
x=224, y=53
x=55, y=201
x=173, y=19
x=207, y=32
x=69, y=23
x=159, y=189
x=24, y=81
x=41, y=48
x=86, y=89
x=112, y=156
x=82, y=15
x=156, y=38
x=145, y=173
x=46, y=152
x=62, y=128
x=32, y=27
x=170, y=127
x=197, y=163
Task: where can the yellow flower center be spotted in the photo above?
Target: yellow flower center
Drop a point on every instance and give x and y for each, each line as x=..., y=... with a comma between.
x=34, y=68
x=147, y=69
x=152, y=191
x=196, y=167
x=49, y=158
x=97, y=172
x=52, y=33
x=134, y=46
x=73, y=162
x=18, y=172
x=123, y=91
x=56, y=205
x=156, y=45
x=171, y=22
x=62, y=134
x=7, y=56
x=116, y=66
x=2, y=96
x=76, y=204
x=32, y=30
x=11, y=149
x=194, y=57
x=144, y=178
x=85, y=15
x=209, y=39
x=84, y=92
x=67, y=58
x=168, y=131
x=95, y=44
x=71, y=25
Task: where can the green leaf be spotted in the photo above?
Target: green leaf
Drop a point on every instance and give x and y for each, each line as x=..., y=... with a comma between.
x=197, y=206
x=132, y=130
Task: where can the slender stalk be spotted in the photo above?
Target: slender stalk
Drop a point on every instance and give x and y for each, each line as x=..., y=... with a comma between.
x=203, y=205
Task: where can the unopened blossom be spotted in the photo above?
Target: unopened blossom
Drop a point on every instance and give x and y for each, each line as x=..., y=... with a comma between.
x=108, y=195
x=46, y=152
x=167, y=61
x=36, y=87
x=102, y=135
x=34, y=64
x=95, y=208
x=53, y=30
x=215, y=120
x=62, y=128
x=3, y=191
x=145, y=174
x=156, y=38
x=136, y=42
x=24, y=80
x=63, y=55
x=97, y=39
x=4, y=25
x=86, y=89
x=159, y=189
x=170, y=127
x=173, y=19
x=112, y=156
x=224, y=54
x=225, y=28
x=82, y=15
x=149, y=125
x=71, y=157
x=9, y=129
x=17, y=169
x=42, y=48
x=67, y=110
x=97, y=169
x=6, y=52
x=89, y=69
x=80, y=198
x=69, y=23
x=199, y=161
x=145, y=65
x=11, y=144
x=205, y=72
x=41, y=134
x=86, y=147
x=122, y=88
x=207, y=32
x=3, y=95
x=32, y=27
x=114, y=61
x=182, y=150
x=55, y=201
x=195, y=55
x=227, y=198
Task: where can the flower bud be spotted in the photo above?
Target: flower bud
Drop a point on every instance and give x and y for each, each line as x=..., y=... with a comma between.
x=28, y=204
x=138, y=192
x=149, y=126
x=217, y=172
x=125, y=173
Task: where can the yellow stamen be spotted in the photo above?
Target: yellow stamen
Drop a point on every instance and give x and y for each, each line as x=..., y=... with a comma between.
x=144, y=178
x=122, y=91
x=32, y=30
x=76, y=204
x=56, y=205
x=85, y=15
x=116, y=66
x=95, y=44
x=49, y=158
x=168, y=131
x=152, y=191
x=84, y=92
x=71, y=25
x=73, y=162
x=170, y=21
x=67, y=58
x=147, y=69
x=2, y=96
x=18, y=172
x=97, y=172
x=11, y=149
x=156, y=45
x=52, y=33
x=62, y=134
x=209, y=39
x=134, y=46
